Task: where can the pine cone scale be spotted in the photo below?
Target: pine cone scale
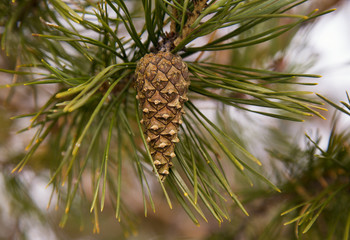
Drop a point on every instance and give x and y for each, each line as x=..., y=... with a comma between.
x=162, y=84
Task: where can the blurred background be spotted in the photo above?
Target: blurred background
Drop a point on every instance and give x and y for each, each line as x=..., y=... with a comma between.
x=320, y=47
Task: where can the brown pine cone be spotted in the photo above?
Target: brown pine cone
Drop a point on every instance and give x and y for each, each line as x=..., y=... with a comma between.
x=162, y=83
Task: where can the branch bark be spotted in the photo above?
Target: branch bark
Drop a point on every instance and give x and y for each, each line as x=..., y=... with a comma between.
x=199, y=5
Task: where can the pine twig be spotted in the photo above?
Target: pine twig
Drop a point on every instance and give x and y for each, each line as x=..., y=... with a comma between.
x=173, y=22
x=199, y=5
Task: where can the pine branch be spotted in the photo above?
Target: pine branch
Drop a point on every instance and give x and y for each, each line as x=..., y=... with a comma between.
x=90, y=52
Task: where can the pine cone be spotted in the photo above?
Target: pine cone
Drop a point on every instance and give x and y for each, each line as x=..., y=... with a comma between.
x=162, y=84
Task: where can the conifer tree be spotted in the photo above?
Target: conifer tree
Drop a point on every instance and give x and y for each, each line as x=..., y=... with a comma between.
x=129, y=82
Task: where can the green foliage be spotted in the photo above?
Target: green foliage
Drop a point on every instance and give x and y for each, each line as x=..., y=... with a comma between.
x=314, y=180
x=340, y=108
x=320, y=185
x=90, y=49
